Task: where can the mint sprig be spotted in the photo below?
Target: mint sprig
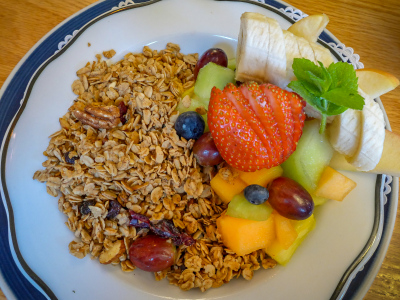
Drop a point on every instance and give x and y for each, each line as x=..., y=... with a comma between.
x=330, y=90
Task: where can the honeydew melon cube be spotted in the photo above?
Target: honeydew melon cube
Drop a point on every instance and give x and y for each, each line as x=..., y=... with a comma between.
x=239, y=207
x=209, y=76
x=312, y=155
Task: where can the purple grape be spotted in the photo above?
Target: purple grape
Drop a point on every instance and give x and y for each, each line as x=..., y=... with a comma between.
x=290, y=199
x=215, y=55
x=206, y=152
x=152, y=253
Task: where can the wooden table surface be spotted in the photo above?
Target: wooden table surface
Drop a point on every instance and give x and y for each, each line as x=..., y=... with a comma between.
x=370, y=27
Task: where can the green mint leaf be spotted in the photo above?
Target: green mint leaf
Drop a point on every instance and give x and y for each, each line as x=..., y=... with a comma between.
x=312, y=88
x=302, y=67
x=343, y=76
x=330, y=90
x=334, y=109
x=307, y=72
x=344, y=97
x=327, y=77
x=311, y=99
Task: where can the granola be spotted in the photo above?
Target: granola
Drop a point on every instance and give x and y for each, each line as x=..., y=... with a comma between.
x=117, y=151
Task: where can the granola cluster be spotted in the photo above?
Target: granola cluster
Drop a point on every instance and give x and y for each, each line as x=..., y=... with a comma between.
x=117, y=150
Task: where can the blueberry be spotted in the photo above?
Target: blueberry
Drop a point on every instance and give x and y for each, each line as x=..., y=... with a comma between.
x=190, y=125
x=256, y=194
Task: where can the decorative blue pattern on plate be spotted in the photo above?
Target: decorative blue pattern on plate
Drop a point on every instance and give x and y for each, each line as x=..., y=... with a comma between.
x=54, y=43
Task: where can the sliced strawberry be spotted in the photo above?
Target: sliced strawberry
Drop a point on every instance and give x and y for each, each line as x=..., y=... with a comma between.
x=281, y=107
x=255, y=126
x=298, y=116
x=243, y=107
x=263, y=110
x=236, y=141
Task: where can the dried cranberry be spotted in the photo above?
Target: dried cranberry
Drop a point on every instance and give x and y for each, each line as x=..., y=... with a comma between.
x=122, y=111
x=113, y=209
x=70, y=160
x=84, y=208
x=164, y=228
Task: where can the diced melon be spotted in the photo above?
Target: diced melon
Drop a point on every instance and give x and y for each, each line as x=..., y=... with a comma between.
x=245, y=236
x=318, y=200
x=286, y=234
x=189, y=92
x=232, y=63
x=225, y=189
x=282, y=256
x=209, y=76
x=194, y=104
x=312, y=155
x=334, y=185
x=261, y=177
x=239, y=207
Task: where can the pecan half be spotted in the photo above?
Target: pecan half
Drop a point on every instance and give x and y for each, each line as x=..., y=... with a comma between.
x=105, y=117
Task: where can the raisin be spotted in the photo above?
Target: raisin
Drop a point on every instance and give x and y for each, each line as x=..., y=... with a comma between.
x=70, y=160
x=113, y=209
x=84, y=208
x=122, y=111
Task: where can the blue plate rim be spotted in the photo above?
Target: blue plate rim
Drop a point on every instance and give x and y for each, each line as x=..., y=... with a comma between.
x=326, y=37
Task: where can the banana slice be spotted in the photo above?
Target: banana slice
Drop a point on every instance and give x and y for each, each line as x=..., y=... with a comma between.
x=292, y=52
x=345, y=131
x=253, y=47
x=275, y=71
x=305, y=49
x=322, y=54
x=372, y=137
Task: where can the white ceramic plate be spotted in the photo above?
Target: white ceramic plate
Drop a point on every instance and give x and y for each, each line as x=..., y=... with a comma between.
x=346, y=236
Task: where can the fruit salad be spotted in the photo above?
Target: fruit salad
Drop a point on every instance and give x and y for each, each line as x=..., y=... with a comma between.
x=202, y=169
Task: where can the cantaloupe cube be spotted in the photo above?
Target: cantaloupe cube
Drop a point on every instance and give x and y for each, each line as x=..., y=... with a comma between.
x=334, y=185
x=245, y=236
x=286, y=234
x=227, y=189
x=261, y=177
x=282, y=256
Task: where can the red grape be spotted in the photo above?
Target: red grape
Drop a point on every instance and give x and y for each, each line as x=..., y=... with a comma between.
x=290, y=199
x=152, y=253
x=215, y=55
x=206, y=152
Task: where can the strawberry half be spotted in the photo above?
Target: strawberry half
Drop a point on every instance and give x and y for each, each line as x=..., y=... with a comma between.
x=242, y=105
x=298, y=115
x=281, y=107
x=255, y=126
x=263, y=110
x=236, y=141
